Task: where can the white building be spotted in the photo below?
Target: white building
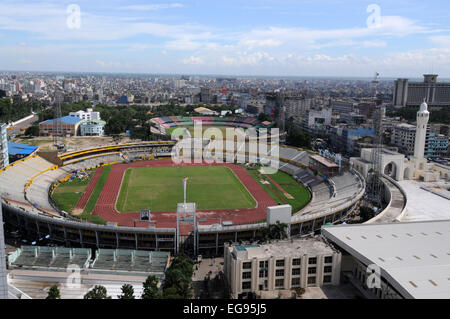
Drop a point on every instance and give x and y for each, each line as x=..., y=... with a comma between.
x=88, y=115
x=92, y=128
x=281, y=265
x=404, y=136
x=396, y=165
x=4, y=155
x=318, y=118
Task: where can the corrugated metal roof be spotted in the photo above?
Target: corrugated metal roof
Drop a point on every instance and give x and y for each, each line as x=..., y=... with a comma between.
x=20, y=149
x=414, y=252
x=65, y=119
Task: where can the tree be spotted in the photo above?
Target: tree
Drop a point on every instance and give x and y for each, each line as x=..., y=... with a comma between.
x=98, y=292
x=127, y=292
x=171, y=293
x=273, y=231
x=53, y=293
x=298, y=138
x=150, y=288
x=32, y=130
x=178, y=278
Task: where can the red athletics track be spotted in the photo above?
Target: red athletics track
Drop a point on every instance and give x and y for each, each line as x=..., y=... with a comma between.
x=89, y=189
x=106, y=203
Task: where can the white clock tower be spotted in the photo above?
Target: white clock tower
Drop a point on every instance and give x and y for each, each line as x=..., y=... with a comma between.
x=421, y=131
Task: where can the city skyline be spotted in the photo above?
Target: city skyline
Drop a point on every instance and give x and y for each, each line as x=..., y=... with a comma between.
x=255, y=38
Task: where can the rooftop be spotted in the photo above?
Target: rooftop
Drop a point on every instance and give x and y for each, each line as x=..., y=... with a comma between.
x=424, y=205
x=324, y=161
x=20, y=149
x=414, y=257
x=296, y=247
x=65, y=119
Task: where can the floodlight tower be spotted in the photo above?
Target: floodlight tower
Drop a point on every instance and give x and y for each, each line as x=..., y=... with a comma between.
x=184, y=209
x=58, y=135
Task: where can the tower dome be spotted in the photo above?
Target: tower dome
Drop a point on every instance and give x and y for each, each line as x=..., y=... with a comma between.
x=423, y=107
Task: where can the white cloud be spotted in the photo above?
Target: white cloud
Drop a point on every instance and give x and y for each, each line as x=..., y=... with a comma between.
x=374, y=44
x=441, y=40
x=152, y=7
x=192, y=60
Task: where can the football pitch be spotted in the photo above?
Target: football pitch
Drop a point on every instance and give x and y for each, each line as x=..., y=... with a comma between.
x=160, y=189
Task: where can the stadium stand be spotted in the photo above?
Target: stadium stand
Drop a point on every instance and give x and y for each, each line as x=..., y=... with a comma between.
x=127, y=260
x=49, y=258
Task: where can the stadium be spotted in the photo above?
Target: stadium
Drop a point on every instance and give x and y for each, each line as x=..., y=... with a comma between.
x=92, y=198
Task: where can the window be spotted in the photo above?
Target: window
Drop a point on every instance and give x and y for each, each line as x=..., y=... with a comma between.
x=312, y=261
x=296, y=281
x=296, y=262
x=295, y=271
x=327, y=269
x=262, y=273
x=280, y=263
x=328, y=259
x=279, y=272
x=311, y=280
x=327, y=279
x=247, y=265
x=263, y=264
x=246, y=285
x=311, y=270
x=279, y=283
x=246, y=275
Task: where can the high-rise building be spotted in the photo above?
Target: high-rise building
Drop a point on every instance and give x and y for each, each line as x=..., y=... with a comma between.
x=412, y=94
x=4, y=155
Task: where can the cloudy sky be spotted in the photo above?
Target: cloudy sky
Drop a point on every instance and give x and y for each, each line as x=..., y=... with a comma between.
x=247, y=37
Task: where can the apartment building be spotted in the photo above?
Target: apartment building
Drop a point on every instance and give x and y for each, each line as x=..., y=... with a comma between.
x=4, y=155
x=281, y=265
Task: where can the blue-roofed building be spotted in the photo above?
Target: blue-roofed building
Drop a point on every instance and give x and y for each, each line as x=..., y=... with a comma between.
x=21, y=149
x=69, y=125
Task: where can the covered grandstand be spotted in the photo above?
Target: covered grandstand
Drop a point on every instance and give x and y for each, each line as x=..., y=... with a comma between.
x=106, y=261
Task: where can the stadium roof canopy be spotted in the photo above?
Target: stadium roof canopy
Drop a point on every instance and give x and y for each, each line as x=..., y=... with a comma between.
x=65, y=119
x=413, y=257
x=20, y=149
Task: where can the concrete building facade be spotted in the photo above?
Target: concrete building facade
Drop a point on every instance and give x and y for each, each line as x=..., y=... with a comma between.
x=92, y=128
x=412, y=94
x=281, y=265
x=4, y=155
x=88, y=115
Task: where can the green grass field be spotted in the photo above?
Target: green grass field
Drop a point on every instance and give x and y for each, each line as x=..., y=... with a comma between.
x=300, y=194
x=160, y=189
x=223, y=130
x=67, y=194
